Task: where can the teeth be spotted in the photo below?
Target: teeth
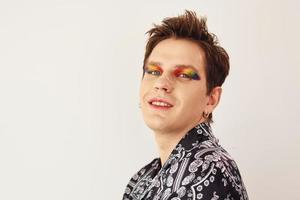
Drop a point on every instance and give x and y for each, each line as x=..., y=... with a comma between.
x=157, y=103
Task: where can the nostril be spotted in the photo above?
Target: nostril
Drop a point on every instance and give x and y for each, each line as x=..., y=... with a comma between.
x=163, y=88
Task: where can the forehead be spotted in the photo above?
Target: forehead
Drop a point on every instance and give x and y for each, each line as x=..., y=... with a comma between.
x=173, y=52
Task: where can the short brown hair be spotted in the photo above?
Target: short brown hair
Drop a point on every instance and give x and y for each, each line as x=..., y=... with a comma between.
x=189, y=26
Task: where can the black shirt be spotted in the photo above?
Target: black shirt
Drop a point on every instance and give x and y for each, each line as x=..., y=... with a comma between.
x=197, y=168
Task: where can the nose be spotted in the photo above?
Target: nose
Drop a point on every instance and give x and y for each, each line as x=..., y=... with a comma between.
x=164, y=83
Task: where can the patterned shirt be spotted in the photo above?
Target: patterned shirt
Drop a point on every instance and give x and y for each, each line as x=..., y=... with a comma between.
x=197, y=168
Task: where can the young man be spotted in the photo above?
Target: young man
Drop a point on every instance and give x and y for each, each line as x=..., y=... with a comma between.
x=184, y=69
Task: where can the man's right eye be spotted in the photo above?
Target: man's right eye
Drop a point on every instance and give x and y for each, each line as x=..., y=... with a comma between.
x=154, y=72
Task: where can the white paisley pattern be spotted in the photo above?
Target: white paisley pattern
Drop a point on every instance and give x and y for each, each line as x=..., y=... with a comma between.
x=198, y=168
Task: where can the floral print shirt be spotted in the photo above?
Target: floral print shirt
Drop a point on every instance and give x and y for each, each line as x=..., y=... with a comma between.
x=197, y=168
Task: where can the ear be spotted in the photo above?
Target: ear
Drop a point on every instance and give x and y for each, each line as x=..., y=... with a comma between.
x=213, y=99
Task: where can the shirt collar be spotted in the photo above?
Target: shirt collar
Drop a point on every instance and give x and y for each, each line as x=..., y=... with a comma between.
x=201, y=132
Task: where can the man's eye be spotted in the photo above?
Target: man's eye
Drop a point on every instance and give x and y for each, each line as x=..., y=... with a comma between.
x=154, y=72
x=188, y=76
x=184, y=76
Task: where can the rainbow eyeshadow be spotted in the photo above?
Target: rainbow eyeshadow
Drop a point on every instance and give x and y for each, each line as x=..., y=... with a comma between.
x=188, y=72
x=153, y=68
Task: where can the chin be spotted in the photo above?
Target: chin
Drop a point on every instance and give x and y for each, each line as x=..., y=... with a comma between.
x=156, y=124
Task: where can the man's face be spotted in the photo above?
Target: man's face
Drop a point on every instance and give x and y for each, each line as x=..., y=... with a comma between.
x=173, y=90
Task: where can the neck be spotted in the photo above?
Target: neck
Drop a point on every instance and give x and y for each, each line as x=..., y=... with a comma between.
x=167, y=140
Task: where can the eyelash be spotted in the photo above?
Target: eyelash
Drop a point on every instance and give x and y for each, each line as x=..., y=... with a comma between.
x=184, y=76
x=152, y=71
x=157, y=73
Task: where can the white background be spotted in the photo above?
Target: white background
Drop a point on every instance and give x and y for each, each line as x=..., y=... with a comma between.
x=70, y=126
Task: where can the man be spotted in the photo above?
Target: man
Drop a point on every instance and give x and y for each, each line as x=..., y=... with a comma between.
x=184, y=69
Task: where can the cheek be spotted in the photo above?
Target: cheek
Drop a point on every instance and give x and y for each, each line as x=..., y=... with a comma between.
x=141, y=91
x=194, y=98
x=144, y=87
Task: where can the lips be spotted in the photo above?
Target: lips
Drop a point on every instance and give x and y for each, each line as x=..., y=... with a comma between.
x=160, y=103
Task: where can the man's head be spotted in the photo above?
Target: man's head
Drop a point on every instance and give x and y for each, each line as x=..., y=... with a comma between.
x=183, y=64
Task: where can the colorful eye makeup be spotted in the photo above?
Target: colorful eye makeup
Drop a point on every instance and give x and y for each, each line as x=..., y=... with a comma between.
x=187, y=72
x=153, y=69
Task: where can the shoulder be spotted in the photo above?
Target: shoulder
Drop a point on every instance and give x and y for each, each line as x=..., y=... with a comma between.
x=212, y=172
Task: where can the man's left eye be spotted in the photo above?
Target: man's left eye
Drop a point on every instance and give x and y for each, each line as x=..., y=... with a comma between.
x=184, y=76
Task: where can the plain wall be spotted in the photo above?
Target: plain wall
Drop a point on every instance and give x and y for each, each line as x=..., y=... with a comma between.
x=70, y=126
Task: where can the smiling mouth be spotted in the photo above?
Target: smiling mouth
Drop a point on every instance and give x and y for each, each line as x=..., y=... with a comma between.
x=160, y=104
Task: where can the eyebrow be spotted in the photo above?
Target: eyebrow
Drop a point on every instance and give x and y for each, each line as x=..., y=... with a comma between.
x=176, y=66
